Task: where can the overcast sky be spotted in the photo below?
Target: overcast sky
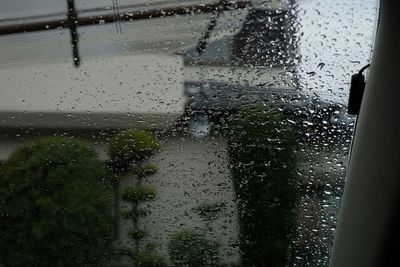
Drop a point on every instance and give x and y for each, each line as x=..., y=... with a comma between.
x=336, y=39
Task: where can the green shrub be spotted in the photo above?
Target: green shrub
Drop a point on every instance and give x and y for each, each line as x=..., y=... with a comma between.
x=191, y=249
x=129, y=150
x=132, y=145
x=121, y=250
x=145, y=169
x=137, y=234
x=55, y=206
x=139, y=194
x=135, y=213
x=262, y=158
x=149, y=259
x=210, y=211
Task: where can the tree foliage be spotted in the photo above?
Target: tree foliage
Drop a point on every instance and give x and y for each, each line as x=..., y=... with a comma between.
x=262, y=158
x=129, y=151
x=210, y=211
x=192, y=249
x=130, y=146
x=54, y=205
x=139, y=194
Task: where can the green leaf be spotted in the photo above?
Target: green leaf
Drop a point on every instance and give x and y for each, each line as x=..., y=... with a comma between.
x=189, y=248
x=137, y=234
x=55, y=205
x=134, y=214
x=210, y=211
x=145, y=169
x=132, y=145
x=139, y=194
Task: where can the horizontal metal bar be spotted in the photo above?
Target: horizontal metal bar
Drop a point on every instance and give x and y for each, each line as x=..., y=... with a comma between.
x=33, y=26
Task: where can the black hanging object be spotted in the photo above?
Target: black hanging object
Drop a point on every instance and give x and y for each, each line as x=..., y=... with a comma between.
x=357, y=87
x=73, y=25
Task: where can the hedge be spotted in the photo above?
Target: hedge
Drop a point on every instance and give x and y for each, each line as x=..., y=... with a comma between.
x=54, y=205
x=261, y=150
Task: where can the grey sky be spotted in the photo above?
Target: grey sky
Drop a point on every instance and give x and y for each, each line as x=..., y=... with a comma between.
x=336, y=39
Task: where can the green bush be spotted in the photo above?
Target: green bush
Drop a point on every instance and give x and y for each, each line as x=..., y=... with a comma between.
x=135, y=213
x=129, y=150
x=119, y=250
x=191, y=249
x=210, y=211
x=55, y=206
x=130, y=146
x=145, y=169
x=149, y=259
x=137, y=234
x=139, y=194
x=262, y=158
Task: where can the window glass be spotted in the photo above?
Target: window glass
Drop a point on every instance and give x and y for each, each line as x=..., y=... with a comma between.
x=176, y=133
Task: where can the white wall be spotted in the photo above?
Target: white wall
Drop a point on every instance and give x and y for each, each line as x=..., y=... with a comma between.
x=129, y=91
x=245, y=75
x=191, y=172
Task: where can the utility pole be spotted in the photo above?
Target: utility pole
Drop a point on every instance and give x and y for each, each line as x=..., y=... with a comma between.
x=73, y=28
x=72, y=21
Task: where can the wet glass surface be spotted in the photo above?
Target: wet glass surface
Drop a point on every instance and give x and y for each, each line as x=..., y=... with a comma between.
x=201, y=139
